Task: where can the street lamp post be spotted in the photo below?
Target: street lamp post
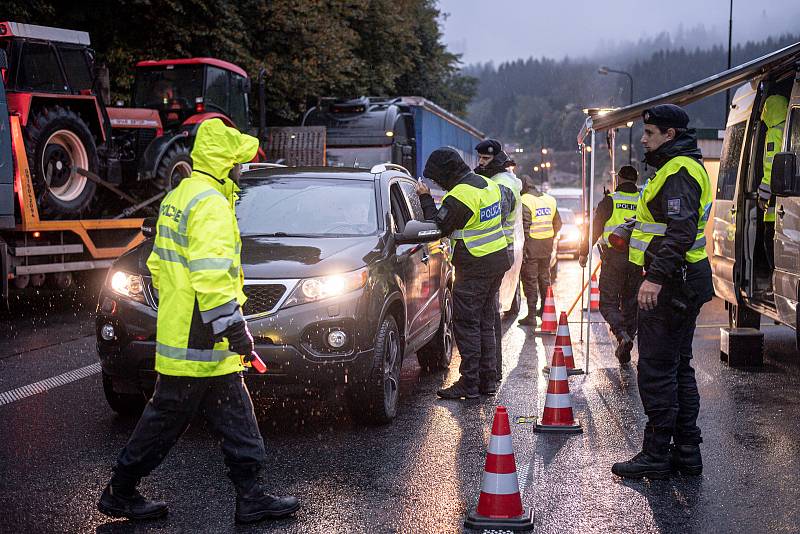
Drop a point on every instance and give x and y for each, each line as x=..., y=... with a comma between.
x=604, y=71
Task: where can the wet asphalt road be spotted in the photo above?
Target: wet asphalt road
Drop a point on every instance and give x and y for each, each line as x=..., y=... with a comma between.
x=421, y=473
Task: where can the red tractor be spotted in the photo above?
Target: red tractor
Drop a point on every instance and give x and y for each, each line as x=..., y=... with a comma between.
x=185, y=92
x=74, y=142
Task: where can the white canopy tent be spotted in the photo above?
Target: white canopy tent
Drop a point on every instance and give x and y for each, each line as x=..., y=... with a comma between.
x=608, y=120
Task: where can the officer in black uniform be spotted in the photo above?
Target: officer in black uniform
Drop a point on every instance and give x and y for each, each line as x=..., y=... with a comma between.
x=494, y=163
x=668, y=240
x=477, y=278
x=619, y=278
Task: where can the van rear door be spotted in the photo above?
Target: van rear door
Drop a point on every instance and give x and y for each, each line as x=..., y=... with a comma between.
x=787, y=229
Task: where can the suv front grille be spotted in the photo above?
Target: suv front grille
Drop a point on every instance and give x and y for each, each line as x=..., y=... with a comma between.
x=262, y=298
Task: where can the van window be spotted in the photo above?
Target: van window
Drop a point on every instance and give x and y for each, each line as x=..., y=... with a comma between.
x=794, y=131
x=729, y=161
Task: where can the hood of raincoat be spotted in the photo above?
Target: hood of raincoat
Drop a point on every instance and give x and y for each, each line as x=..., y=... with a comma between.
x=774, y=111
x=217, y=148
x=446, y=168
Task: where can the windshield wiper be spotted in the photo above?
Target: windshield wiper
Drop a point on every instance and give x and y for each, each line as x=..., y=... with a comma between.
x=280, y=234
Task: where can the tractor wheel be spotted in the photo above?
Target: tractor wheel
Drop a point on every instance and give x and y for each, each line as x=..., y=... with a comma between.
x=56, y=141
x=174, y=166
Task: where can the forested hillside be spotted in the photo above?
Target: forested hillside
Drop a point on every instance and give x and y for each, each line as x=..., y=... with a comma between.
x=538, y=102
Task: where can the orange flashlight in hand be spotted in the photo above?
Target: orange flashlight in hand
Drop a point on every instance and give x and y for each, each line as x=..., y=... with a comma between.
x=256, y=363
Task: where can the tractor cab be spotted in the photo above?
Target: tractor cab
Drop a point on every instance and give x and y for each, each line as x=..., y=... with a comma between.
x=187, y=91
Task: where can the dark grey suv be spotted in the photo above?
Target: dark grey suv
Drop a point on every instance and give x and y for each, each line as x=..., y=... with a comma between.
x=342, y=278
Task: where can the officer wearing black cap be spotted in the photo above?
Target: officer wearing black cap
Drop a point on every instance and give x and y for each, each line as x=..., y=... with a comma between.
x=668, y=241
x=471, y=215
x=494, y=163
x=619, y=278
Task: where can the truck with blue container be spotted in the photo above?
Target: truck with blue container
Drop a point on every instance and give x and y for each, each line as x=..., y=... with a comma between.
x=367, y=131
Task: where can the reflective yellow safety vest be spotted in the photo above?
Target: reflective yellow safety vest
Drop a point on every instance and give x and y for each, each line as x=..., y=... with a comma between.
x=774, y=117
x=543, y=211
x=647, y=227
x=515, y=185
x=483, y=233
x=624, y=208
x=196, y=268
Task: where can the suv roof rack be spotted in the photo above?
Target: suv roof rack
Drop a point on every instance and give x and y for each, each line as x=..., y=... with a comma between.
x=383, y=167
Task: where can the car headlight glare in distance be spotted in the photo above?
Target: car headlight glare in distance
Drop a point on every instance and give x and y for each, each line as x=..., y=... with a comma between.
x=127, y=285
x=323, y=287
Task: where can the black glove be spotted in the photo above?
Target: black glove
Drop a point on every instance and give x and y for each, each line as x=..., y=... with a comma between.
x=240, y=340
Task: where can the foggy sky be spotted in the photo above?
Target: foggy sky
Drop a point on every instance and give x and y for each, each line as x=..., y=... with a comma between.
x=502, y=30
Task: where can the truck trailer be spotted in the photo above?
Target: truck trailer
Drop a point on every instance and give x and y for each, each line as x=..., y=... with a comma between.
x=405, y=130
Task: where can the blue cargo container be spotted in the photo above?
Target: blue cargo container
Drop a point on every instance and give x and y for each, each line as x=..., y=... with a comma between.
x=404, y=130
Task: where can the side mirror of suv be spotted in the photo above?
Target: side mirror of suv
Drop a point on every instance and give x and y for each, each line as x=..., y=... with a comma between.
x=418, y=232
x=149, y=227
x=784, y=180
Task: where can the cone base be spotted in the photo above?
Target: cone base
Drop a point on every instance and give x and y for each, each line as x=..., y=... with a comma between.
x=559, y=429
x=544, y=333
x=570, y=372
x=479, y=522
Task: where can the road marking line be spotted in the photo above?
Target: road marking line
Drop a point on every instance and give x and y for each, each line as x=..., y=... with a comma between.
x=23, y=392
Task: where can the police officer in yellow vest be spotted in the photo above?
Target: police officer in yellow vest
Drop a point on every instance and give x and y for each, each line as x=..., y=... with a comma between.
x=668, y=241
x=540, y=222
x=494, y=163
x=774, y=118
x=619, y=278
x=202, y=338
x=471, y=214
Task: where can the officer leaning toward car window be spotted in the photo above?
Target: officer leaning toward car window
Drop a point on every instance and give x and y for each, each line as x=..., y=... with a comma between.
x=494, y=163
x=619, y=278
x=774, y=118
x=540, y=222
x=471, y=215
x=668, y=241
x=201, y=333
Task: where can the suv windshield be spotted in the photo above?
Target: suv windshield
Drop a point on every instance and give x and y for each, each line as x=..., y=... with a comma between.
x=179, y=84
x=290, y=206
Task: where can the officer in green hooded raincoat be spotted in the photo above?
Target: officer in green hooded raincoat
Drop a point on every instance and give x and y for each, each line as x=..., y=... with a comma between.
x=202, y=337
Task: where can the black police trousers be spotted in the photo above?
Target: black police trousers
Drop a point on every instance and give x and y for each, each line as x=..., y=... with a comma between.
x=474, y=315
x=667, y=385
x=619, y=285
x=224, y=402
x=535, y=275
x=498, y=336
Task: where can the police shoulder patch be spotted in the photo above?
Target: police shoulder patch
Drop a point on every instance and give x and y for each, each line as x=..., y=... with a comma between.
x=673, y=206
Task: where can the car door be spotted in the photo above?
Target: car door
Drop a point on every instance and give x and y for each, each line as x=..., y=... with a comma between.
x=437, y=259
x=412, y=264
x=787, y=229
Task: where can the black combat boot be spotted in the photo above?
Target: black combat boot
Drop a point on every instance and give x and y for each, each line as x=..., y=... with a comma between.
x=653, y=462
x=256, y=505
x=687, y=459
x=126, y=501
x=458, y=391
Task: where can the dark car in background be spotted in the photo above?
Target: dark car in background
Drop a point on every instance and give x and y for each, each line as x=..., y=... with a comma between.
x=343, y=280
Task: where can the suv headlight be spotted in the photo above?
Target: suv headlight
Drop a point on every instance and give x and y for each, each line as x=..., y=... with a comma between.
x=323, y=287
x=127, y=284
